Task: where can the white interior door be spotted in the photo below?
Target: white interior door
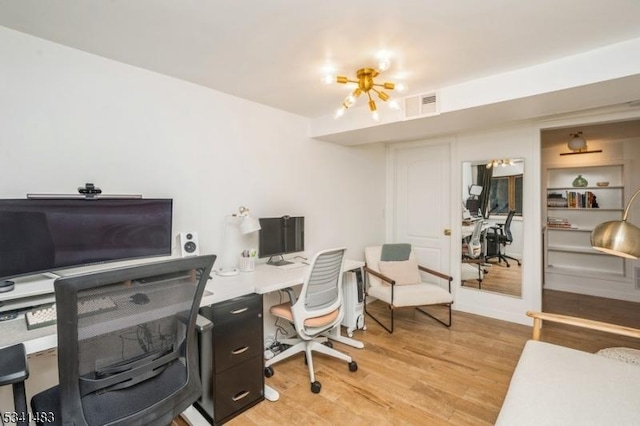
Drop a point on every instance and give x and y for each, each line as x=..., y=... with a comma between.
x=420, y=201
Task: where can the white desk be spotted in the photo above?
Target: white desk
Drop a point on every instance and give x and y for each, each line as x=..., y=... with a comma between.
x=266, y=279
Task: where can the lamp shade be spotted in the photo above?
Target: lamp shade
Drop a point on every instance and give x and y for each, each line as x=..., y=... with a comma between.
x=577, y=142
x=617, y=237
x=249, y=225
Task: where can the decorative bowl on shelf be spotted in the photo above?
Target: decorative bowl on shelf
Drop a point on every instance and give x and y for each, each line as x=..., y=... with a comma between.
x=602, y=183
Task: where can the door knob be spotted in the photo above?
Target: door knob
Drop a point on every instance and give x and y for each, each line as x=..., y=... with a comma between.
x=447, y=232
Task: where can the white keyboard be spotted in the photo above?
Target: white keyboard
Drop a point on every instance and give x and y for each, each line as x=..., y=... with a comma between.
x=95, y=306
x=47, y=315
x=292, y=265
x=41, y=317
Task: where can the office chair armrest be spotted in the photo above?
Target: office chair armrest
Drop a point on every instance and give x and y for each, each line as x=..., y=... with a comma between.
x=379, y=275
x=14, y=368
x=292, y=294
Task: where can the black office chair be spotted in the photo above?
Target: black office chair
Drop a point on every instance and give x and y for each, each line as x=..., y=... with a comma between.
x=498, y=237
x=134, y=361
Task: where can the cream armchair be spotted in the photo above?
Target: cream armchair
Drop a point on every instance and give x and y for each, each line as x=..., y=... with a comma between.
x=404, y=283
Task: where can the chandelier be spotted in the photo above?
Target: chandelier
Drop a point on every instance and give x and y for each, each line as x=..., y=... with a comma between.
x=502, y=163
x=365, y=84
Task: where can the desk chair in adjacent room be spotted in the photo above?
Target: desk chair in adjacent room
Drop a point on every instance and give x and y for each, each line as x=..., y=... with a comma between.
x=318, y=309
x=498, y=237
x=134, y=363
x=394, y=277
x=472, y=268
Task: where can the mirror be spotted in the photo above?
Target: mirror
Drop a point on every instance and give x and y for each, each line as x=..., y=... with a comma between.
x=491, y=226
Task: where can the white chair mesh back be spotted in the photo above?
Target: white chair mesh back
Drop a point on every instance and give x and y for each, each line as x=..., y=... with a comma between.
x=323, y=288
x=475, y=246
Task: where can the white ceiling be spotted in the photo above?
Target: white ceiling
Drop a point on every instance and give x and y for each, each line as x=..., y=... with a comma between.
x=273, y=51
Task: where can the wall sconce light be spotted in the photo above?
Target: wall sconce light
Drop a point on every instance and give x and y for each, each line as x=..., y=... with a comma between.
x=578, y=145
x=246, y=225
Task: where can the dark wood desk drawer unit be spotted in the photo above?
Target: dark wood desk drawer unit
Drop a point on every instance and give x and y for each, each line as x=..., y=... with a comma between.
x=237, y=363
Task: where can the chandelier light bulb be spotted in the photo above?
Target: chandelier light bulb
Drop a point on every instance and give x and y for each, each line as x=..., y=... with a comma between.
x=328, y=79
x=401, y=87
x=394, y=105
x=339, y=113
x=375, y=116
x=384, y=64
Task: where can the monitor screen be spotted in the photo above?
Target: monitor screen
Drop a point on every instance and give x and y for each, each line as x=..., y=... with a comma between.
x=281, y=235
x=40, y=235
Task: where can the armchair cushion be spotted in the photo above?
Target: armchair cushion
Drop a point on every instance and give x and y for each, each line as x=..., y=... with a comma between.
x=402, y=272
x=412, y=295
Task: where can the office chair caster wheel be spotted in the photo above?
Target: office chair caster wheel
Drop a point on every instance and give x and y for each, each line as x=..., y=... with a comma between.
x=268, y=372
x=353, y=366
x=315, y=387
x=328, y=344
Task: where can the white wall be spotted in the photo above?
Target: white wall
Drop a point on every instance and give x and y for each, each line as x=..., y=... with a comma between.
x=68, y=117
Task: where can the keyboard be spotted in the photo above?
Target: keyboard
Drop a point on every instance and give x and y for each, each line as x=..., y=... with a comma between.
x=292, y=265
x=96, y=305
x=47, y=315
x=41, y=317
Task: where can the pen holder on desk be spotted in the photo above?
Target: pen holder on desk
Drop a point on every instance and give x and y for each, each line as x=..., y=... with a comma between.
x=247, y=264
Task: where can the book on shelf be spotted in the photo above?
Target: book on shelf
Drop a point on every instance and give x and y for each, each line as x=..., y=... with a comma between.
x=581, y=200
x=555, y=199
x=557, y=222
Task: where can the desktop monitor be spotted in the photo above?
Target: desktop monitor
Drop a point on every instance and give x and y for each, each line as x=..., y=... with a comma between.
x=279, y=236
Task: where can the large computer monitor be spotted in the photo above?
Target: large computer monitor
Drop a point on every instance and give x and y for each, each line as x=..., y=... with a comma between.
x=280, y=236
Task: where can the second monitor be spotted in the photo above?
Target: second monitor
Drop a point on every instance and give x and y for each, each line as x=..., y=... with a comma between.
x=279, y=236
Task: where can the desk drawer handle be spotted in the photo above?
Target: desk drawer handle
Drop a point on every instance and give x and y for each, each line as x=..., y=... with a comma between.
x=239, y=311
x=240, y=350
x=237, y=397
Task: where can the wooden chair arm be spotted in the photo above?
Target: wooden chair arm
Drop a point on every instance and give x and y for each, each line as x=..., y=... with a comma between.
x=538, y=317
x=379, y=275
x=436, y=273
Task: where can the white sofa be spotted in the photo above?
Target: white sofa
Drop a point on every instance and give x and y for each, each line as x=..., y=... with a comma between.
x=555, y=385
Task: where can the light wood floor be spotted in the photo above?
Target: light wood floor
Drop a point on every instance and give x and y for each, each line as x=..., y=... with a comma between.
x=425, y=373
x=501, y=279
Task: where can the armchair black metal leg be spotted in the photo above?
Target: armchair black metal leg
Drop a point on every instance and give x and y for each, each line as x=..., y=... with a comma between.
x=436, y=318
x=389, y=330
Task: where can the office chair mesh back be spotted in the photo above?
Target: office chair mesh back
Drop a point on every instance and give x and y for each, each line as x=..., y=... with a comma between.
x=323, y=289
x=136, y=361
x=475, y=245
x=507, y=227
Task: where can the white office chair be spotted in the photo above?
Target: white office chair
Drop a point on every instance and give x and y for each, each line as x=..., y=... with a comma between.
x=472, y=268
x=317, y=310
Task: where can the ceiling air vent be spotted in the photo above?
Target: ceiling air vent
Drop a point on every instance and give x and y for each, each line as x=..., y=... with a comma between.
x=421, y=105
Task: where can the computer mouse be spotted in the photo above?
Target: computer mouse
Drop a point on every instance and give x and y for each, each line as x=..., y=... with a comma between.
x=140, y=299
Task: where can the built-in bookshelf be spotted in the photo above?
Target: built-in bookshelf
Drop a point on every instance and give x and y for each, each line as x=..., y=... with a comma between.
x=572, y=213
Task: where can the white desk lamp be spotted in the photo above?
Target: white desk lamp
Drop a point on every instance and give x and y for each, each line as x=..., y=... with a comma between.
x=618, y=237
x=247, y=225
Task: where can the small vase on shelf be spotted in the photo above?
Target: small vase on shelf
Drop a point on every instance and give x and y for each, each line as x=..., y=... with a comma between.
x=580, y=182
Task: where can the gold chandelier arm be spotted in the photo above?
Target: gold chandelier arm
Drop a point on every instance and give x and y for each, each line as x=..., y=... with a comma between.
x=344, y=80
